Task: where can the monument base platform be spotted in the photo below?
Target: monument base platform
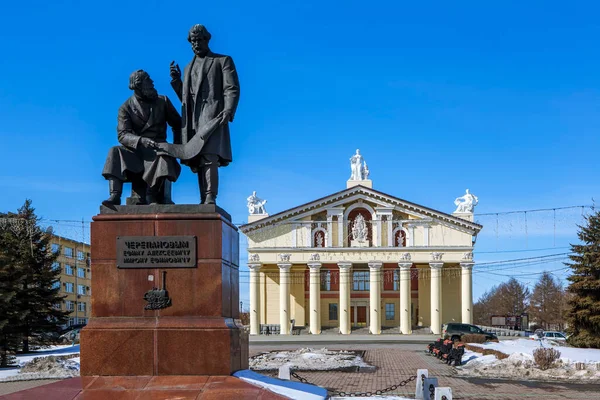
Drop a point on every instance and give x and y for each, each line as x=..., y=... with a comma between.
x=163, y=346
x=147, y=387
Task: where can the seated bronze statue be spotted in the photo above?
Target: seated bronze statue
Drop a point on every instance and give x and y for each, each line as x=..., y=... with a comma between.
x=142, y=127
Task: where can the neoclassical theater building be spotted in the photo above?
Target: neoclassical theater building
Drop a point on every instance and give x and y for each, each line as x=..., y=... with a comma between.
x=360, y=258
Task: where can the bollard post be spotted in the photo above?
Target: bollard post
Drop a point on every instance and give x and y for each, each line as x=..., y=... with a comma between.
x=284, y=372
x=429, y=385
x=443, y=393
x=421, y=375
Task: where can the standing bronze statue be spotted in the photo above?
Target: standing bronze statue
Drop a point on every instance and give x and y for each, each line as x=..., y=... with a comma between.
x=209, y=95
x=142, y=127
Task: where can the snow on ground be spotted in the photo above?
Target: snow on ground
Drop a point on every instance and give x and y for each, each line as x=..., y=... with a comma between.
x=520, y=363
x=53, y=368
x=307, y=360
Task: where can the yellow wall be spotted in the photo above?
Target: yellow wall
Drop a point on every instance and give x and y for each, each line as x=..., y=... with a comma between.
x=424, y=301
x=451, y=301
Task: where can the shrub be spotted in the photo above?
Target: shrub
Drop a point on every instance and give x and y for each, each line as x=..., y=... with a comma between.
x=499, y=355
x=545, y=358
x=473, y=338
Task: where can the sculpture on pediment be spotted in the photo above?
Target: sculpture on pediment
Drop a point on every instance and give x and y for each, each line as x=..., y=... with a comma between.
x=256, y=205
x=466, y=203
x=360, y=230
x=358, y=167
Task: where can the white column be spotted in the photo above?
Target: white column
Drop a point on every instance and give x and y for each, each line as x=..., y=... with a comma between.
x=375, y=297
x=466, y=290
x=436, y=296
x=340, y=222
x=344, y=309
x=411, y=235
x=294, y=235
x=390, y=237
x=425, y=235
x=315, y=296
x=308, y=235
x=405, y=315
x=329, y=231
x=254, y=298
x=378, y=230
x=284, y=298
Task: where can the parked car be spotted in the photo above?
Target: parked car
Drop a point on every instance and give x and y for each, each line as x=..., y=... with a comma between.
x=70, y=336
x=455, y=331
x=553, y=335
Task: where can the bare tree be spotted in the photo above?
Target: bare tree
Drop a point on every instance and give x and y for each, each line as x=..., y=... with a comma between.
x=546, y=306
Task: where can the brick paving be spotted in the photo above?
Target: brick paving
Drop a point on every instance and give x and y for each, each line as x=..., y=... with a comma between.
x=395, y=365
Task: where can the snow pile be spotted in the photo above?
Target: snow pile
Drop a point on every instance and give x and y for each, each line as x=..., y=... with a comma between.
x=54, y=362
x=573, y=365
x=307, y=360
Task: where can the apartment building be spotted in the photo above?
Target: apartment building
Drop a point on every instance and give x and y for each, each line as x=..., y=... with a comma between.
x=75, y=278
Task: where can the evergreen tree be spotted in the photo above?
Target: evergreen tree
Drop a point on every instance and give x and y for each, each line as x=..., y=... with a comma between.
x=584, y=313
x=545, y=307
x=10, y=317
x=28, y=247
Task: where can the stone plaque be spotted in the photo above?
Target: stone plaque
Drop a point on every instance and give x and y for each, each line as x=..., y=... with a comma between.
x=156, y=252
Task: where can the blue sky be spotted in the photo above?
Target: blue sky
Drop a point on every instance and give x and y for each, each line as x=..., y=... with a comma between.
x=500, y=98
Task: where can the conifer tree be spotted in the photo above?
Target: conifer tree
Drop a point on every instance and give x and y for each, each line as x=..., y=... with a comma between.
x=545, y=306
x=584, y=305
x=28, y=248
x=10, y=317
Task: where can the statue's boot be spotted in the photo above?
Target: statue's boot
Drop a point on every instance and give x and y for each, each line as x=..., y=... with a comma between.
x=155, y=193
x=115, y=189
x=139, y=191
x=210, y=174
x=167, y=192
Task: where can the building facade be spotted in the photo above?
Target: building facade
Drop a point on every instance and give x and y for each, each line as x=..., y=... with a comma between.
x=75, y=278
x=360, y=258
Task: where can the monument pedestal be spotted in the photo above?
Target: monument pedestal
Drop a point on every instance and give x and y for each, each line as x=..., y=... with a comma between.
x=199, y=332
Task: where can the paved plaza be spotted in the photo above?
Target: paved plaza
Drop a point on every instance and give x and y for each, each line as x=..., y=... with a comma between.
x=398, y=363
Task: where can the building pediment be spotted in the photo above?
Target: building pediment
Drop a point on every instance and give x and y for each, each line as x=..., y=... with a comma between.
x=377, y=203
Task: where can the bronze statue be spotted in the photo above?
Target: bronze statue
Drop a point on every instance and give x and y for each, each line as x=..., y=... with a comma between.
x=209, y=94
x=142, y=126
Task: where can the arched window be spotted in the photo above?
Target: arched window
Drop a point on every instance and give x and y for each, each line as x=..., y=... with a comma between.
x=319, y=237
x=399, y=236
x=367, y=217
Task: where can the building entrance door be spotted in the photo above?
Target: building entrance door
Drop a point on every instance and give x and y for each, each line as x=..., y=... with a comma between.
x=352, y=315
x=361, y=314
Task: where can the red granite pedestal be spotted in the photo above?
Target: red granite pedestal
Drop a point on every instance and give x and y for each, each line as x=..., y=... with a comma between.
x=199, y=334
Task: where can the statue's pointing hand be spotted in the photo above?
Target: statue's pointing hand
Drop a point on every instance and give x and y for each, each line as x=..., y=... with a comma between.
x=175, y=71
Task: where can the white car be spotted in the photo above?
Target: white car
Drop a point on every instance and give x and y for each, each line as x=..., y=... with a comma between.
x=557, y=336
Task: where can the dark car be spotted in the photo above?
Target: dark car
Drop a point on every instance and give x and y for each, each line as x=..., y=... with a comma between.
x=455, y=331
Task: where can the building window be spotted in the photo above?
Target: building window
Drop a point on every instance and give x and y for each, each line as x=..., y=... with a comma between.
x=68, y=252
x=56, y=266
x=326, y=281
x=396, y=279
x=70, y=305
x=81, y=307
x=318, y=238
x=58, y=306
x=80, y=255
x=69, y=269
x=81, y=272
x=55, y=248
x=360, y=280
x=56, y=285
x=81, y=289
x=333, y=311
x=69, y=287
x=399, y=238
x=389, y=311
